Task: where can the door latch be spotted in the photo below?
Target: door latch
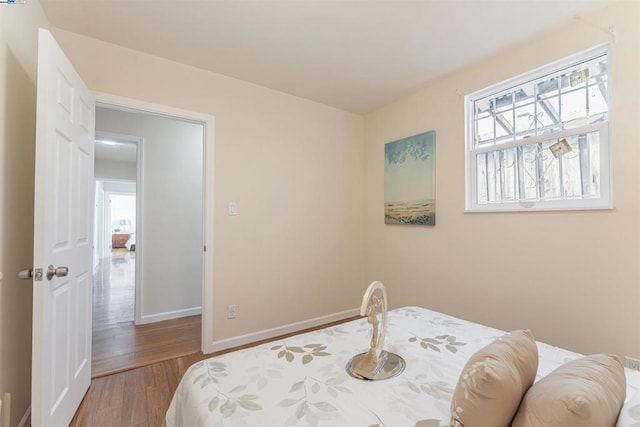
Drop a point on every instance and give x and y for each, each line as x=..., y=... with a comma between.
x=31, y=273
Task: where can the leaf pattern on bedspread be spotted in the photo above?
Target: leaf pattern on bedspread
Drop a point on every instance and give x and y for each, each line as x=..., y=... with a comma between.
x=308, y=406
x=309, y=351
x=261, y=374
x=448, y=341
x=214, y=371
x=227, y=403
x=437, y=389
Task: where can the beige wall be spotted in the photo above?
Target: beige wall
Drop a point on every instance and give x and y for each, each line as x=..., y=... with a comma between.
x=572, y=277
x=18, y=53
x=294, y=168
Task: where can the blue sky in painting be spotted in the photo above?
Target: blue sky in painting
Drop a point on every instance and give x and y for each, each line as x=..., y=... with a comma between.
x=409, y=166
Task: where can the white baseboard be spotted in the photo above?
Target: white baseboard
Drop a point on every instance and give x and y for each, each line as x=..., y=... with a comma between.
x=150, y=318
x=280, y=330
x=25, y=421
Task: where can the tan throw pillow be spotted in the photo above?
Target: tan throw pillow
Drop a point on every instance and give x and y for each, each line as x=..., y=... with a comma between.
x=494, y=380
x=586, y=392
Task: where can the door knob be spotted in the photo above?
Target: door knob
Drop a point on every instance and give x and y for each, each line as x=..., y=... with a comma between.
x=56, y=271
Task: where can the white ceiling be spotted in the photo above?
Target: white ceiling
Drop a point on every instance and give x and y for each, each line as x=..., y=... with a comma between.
x=121, y=149
x=356, y=55
x=124, y=152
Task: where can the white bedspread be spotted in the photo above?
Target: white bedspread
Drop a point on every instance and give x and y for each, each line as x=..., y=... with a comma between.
x=301, y=381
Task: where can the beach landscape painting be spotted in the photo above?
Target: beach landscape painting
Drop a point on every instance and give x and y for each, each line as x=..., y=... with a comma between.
x=410, y=180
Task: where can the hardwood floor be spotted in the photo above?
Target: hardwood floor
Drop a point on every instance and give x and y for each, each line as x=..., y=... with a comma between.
x=120, y=345
x=114, y=289
x=141, y=397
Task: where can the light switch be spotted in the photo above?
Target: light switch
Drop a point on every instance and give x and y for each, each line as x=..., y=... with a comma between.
x=233, y=208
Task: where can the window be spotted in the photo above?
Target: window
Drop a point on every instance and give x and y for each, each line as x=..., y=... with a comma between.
x=540, y=141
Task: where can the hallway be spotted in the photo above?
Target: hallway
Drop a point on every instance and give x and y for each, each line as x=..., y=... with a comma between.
x=118, y=344
x=114, y=289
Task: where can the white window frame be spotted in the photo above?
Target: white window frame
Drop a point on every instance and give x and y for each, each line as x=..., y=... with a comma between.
x=605, y=201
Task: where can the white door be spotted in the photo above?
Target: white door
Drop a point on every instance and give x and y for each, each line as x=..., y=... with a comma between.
x=63, y=211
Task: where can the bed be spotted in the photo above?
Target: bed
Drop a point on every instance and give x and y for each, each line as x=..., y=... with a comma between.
x=131, y=242
x=301, y=381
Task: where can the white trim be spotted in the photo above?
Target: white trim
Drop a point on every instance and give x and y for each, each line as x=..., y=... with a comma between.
x=25, y=421
x=193, y=311
x=139, y=193
x=139, y=249
x=281, y=330
x=208, y=122
x=208, y=237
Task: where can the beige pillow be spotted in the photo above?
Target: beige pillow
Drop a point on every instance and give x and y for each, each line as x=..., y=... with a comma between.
x=586, y=392
x=494, y=380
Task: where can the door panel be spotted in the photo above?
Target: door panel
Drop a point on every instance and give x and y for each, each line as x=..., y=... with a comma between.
x=63, y=209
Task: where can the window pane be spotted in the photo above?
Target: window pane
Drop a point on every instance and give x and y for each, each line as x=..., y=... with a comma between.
x=549, y=104
x=572, y=168
x=504, y=117
x=494, y=179
x=574, y=106
x=481, y=168
x=593, y=176
x=598, y=85
x=526, y=111
x=598, y=107
x=509, y=174
x=531, y=172
x=485, y=130
x=550, y=175
x=528, y=171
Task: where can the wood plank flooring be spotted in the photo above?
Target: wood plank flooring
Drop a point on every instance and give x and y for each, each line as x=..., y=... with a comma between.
x=121, y=347
x=114, y=289
x=140, y=397
x=118, y=344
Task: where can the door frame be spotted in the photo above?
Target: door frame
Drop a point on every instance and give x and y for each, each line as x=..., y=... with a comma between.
x=208, y=122
x=139, y=194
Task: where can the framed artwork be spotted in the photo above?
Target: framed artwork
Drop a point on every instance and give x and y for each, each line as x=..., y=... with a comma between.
x=410, y=180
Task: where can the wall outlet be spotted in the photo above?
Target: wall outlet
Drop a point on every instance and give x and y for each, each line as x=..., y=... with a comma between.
x=632, y=363
x=231, y=311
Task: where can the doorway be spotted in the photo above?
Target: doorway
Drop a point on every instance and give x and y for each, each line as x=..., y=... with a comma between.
x=155, y=234
x=115, y=273
x=207, y=342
